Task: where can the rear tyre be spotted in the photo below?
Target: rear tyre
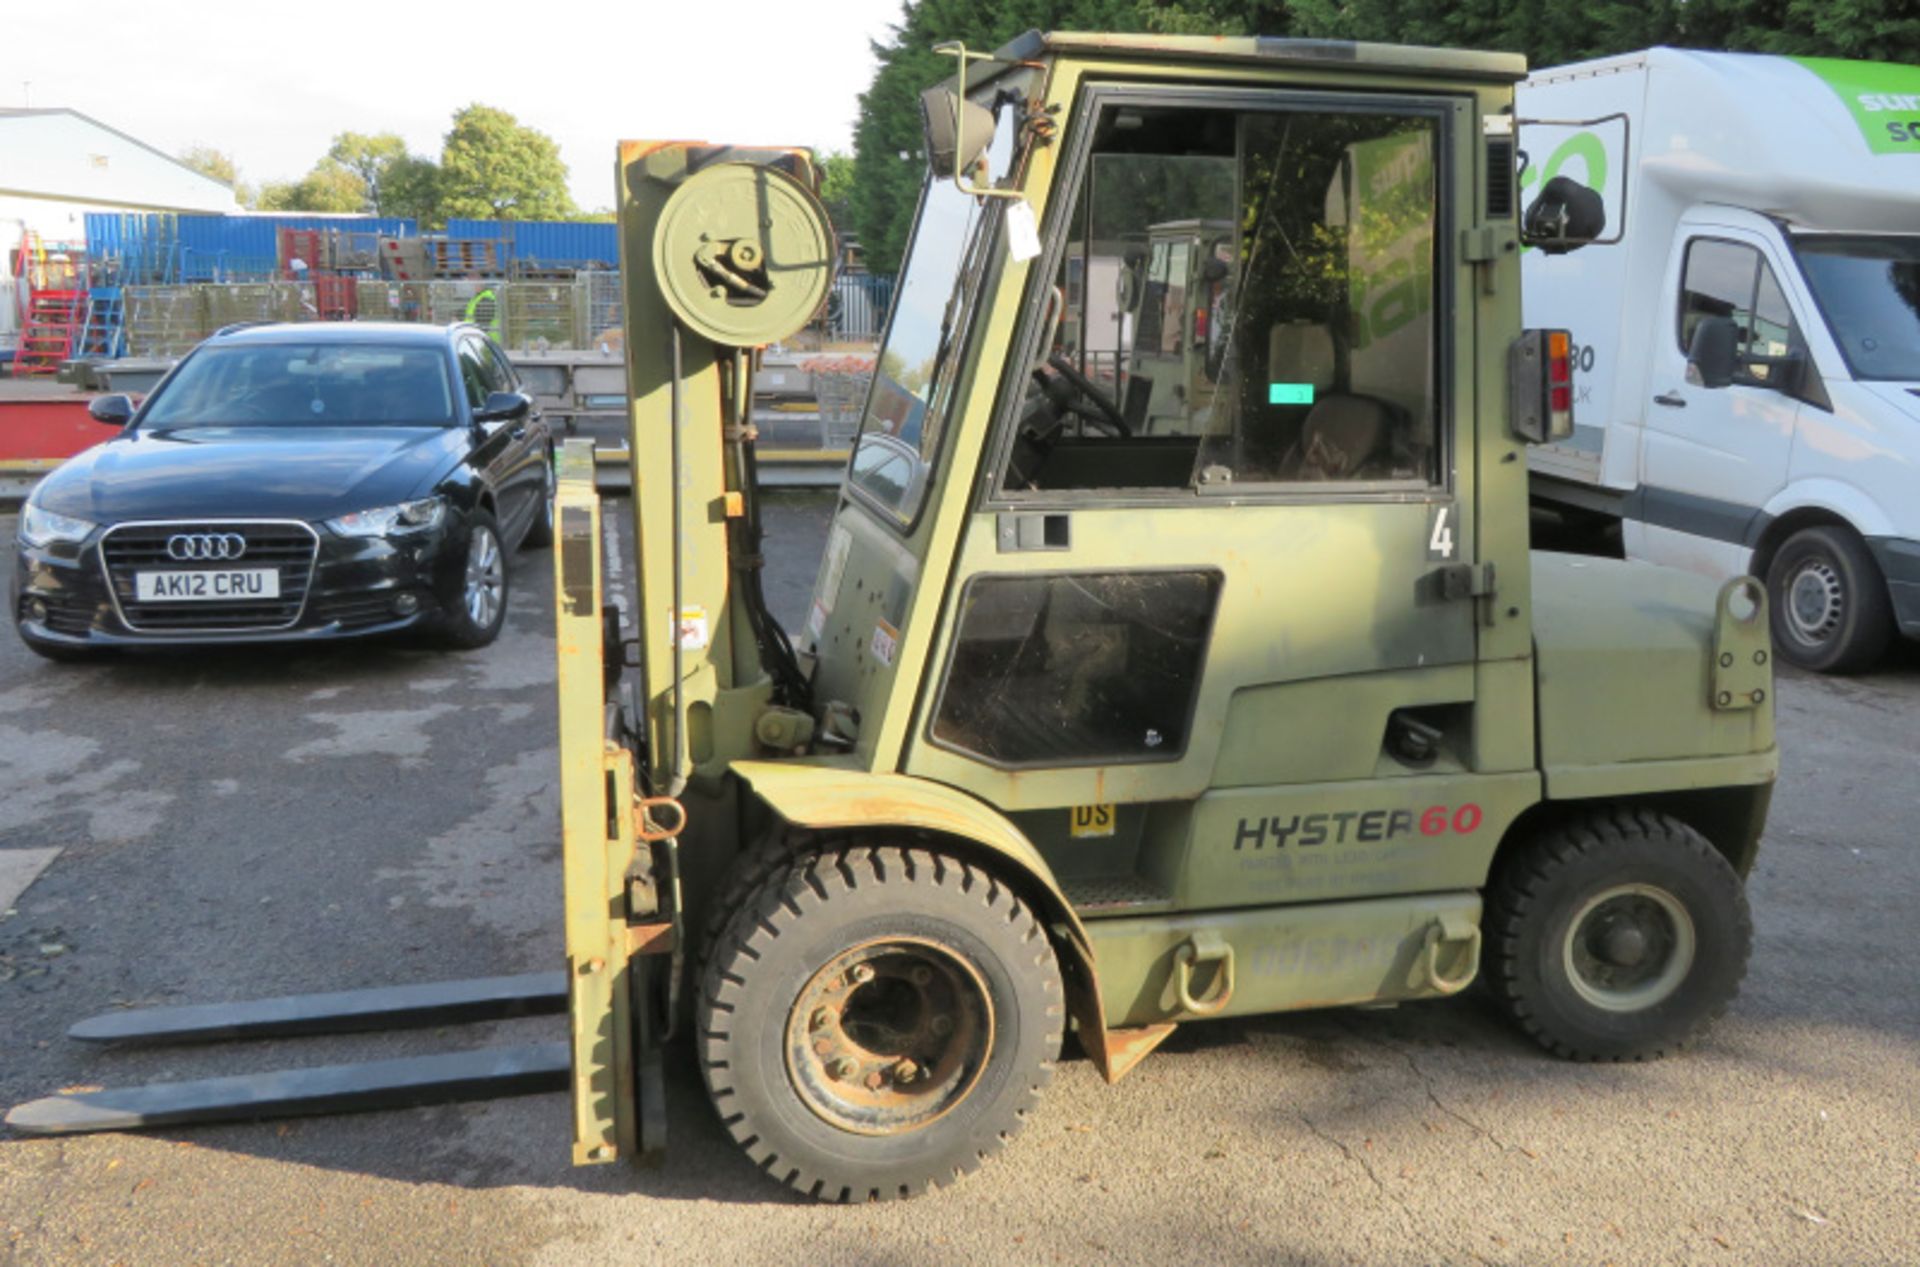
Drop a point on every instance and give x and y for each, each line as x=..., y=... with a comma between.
x=479, y=607
x=878, y=1021
x=1619, y=936
x=1831, y=609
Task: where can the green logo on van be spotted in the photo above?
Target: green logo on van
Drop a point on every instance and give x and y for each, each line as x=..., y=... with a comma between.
x=1585, y=146
x=1884, y=99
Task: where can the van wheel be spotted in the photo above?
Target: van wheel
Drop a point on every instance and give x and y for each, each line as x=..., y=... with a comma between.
x=1831, y=609
x=1619, y=936
x=876, y=1021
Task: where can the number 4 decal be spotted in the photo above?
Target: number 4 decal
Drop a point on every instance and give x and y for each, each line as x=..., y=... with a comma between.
x=1440, y=546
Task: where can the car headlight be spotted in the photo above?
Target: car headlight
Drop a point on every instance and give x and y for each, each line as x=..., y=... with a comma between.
x=392, y=521
x=40, y=527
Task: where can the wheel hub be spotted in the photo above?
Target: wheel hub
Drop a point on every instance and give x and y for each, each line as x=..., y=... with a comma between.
x=889, y=1036
x=1629, y=947
x=1816, y=601
x=486, y=575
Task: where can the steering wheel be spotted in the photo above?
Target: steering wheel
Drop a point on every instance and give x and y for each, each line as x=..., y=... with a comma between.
x=1105, y=412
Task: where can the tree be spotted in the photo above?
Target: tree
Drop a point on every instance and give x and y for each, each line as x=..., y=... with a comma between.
x=371, y=158
x=493, y=167
x=219, y=165
x=836, y=188
x=211, y=162
x=410, y=187
x=329, y=187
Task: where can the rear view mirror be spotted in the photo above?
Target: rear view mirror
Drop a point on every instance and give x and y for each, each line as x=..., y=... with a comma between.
x=946, y=129
x=1711, y=357
x=113, y=410
x=1565, y=217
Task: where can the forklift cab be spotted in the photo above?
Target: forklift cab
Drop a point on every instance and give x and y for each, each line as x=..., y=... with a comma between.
x=1149, y=539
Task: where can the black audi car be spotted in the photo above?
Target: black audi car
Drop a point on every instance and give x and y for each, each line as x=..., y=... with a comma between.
x=292, y=483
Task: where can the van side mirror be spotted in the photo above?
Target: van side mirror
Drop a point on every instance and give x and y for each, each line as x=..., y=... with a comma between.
x=1565, y=217
x=946, y=123
x=1711, y=357
x=113, y=410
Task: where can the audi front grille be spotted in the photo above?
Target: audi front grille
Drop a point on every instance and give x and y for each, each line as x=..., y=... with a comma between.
x=288, y=545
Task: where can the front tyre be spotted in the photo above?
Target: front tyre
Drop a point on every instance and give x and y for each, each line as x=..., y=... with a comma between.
x=1831, y=610
x=479, y=608
x=876, y=1021
x=1618, y=936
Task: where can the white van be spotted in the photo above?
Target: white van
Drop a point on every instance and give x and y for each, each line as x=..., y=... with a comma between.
x=1747, y=389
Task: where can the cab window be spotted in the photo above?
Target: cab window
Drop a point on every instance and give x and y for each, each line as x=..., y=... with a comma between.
x=1733, y=280
x=1246, y=297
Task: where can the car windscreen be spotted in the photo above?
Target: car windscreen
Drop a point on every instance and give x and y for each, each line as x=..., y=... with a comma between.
x=305, y=385
x=1869, y=290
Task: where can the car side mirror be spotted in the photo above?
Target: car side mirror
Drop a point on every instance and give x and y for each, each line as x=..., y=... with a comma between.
x=1565, y=217
x=114, y=410
x=1711, y=359
x=504, y=407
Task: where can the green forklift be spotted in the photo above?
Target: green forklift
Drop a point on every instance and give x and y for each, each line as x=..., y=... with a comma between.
x=1115, y=708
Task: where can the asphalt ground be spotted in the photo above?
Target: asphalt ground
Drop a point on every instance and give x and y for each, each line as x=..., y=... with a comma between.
x=210, y=827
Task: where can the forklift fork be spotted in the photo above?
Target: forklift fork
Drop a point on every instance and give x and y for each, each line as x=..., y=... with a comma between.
x=614, y=988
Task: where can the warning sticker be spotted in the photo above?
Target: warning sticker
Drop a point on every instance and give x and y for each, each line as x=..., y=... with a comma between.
x=886, y=641
x=690, y=628
x=1093, y=821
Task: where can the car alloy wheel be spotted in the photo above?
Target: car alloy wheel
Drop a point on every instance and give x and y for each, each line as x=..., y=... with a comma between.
x=486, y=577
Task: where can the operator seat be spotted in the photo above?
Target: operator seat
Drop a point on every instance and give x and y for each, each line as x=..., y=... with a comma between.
x=1344, y=434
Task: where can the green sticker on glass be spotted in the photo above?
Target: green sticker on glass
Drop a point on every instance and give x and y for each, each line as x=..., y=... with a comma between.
x=1289, y=393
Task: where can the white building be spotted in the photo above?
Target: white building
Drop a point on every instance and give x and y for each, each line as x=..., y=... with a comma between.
x=58, y=165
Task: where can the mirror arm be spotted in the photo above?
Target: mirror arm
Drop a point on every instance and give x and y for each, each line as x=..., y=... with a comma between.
x=958, y=50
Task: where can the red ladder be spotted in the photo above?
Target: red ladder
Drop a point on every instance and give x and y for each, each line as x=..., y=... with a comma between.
x=55, y=319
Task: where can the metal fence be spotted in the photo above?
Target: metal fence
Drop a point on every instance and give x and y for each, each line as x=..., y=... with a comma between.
x=857, y=307
x=581, y=314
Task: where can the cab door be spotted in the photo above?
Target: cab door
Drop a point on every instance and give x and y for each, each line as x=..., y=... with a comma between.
x=1162, y=637
x=1712, y=457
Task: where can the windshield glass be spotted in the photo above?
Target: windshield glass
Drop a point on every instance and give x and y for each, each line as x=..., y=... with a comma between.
x=1869, y=290
x=906, y=406
x=305, y=385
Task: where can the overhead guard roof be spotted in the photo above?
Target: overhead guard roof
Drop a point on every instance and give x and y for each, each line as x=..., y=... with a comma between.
x=1260, y=50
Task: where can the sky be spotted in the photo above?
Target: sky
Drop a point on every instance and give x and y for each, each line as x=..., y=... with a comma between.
x=271, y=83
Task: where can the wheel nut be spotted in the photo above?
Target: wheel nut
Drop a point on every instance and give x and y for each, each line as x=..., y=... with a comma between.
x=862, y=973
x=842, y=1069
x=941, y=1025
x=922, y=976
x=821, y=1018
x=906, y=1071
